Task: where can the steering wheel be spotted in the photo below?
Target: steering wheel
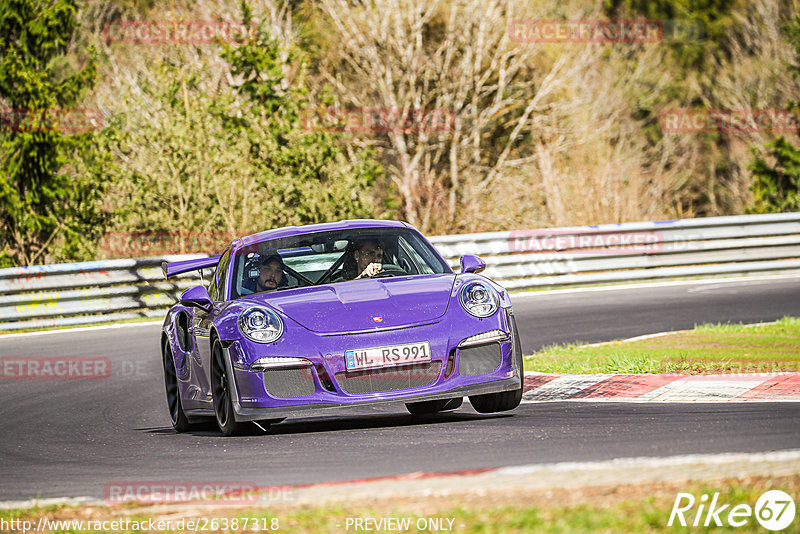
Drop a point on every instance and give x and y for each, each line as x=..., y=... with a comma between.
x=405, y=265
x=389, y=270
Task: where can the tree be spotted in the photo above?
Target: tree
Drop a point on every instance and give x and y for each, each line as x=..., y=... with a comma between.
x=777, y=181
x=230, y=155
x=695, y=30
x=47, y=213
x=446, y=97
x=306, y=170
x=482, y=128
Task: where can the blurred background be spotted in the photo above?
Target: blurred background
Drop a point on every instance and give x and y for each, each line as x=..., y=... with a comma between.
x=131, y=128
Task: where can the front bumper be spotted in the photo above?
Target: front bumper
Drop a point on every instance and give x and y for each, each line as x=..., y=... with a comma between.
x=327, y=379
x=256, y=414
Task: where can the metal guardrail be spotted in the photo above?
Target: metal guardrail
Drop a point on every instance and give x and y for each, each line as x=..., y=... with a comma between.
x=90, y=292
x=82, y=293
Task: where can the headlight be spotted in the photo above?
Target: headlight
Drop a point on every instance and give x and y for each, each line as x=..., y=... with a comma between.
x=260, y=325
x=478, y=298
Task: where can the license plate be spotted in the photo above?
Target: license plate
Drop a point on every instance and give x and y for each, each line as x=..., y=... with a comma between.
x=387, y=356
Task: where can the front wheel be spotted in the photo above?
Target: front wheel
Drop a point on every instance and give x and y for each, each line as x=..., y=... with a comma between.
x=496, y=402
x=221, y=393
x=434, y=406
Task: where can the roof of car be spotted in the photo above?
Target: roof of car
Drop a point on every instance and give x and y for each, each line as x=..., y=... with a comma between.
x=349, y=224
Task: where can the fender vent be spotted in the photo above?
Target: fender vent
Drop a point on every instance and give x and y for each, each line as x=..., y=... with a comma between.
x=182, y=331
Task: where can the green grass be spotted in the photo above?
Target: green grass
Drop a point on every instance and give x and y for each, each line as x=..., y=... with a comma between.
x=720, y=348
x=621, y=509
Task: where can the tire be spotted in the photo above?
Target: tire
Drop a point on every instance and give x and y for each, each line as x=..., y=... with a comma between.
x=496, y=402
x=434, y=406
x=221, y=394
x=179, y=420
x=505, y=400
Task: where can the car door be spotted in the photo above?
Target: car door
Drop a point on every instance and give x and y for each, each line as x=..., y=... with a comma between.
x=202, y=326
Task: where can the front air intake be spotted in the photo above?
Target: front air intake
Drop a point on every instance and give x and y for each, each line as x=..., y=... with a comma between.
x=390, y=378
x=289, y=382
x=479, y=359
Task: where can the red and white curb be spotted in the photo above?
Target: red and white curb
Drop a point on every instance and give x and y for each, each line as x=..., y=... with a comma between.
x=500, y=480
x=540, y=387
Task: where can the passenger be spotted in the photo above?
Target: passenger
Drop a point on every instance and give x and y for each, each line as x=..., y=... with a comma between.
x=270, y=273
x=270, y=276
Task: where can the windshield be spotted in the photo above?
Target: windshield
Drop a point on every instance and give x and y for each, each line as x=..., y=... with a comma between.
x=332, y=257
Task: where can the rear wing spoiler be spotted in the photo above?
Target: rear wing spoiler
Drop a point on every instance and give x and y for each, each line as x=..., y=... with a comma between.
x=170, y=269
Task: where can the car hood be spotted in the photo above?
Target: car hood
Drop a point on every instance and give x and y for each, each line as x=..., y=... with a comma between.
x=360, y=305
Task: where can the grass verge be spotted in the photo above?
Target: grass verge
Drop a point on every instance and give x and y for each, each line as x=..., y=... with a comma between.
x=631, y=508
x=708, y=348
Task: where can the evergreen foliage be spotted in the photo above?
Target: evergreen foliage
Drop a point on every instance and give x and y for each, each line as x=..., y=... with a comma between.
x=777, y=179
x=695, y=30
x=47, y=212
x=776, y=187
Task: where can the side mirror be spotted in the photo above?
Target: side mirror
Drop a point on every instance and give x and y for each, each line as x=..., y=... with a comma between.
x=472, y=264
x=198, y=297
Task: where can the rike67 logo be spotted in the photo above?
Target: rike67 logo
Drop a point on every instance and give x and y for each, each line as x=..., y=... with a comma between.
x=774, y=510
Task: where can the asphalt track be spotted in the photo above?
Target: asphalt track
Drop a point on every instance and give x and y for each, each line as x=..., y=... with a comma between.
x=72, y=438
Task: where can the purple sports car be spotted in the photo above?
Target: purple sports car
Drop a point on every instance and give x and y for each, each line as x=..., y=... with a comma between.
x=353, y=313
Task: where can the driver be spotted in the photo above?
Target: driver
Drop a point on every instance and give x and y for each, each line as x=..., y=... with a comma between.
x=368, y=255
